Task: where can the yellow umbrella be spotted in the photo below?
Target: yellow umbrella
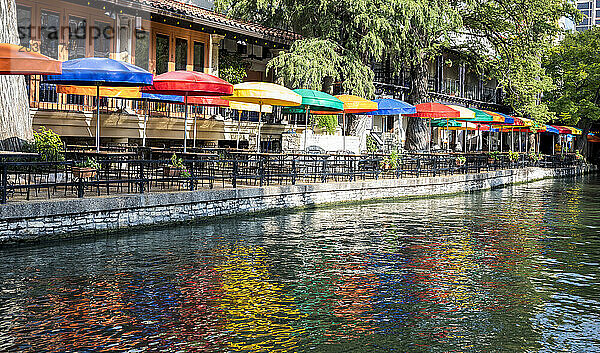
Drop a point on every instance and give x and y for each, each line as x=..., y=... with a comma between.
x=247, y=107
x=353, y=105
x=113, y=92
x=264, y=93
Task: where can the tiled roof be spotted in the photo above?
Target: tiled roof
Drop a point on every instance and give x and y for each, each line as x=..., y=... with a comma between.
x=217, y=20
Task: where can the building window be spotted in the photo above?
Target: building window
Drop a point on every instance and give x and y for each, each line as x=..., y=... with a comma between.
x=50, y=22
x=142, y=49
x=24, y=21
x=181, y=49
x=198, y=56
x=584, y=6
x=597, y=3
x=597, y=13
x=77, y=37
x=162, y=54
x=124, y=49
x=102, y=39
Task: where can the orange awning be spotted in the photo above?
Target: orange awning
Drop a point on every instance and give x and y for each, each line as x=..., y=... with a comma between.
x=18, y=60
x=112, y=92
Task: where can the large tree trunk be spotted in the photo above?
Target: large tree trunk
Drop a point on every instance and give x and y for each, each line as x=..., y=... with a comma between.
x=15, y=121
x=582, y=143
x=417, y=131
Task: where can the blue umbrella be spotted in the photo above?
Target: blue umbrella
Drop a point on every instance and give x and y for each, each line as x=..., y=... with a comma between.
x=100, y=72
x=388, y=106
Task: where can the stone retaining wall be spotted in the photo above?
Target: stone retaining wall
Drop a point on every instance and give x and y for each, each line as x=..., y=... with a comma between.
x=37, y=220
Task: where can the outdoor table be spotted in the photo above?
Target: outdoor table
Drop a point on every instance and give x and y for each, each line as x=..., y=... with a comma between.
x=7, y=155
x=105, y=155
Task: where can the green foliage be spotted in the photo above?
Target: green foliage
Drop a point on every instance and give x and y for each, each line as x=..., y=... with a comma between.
x=311, y=63
x=578, y=155
x=232, y=68
x=574, y=65
x=495, y=155
x=89, y=163
x=48, y=144
x=371, y=144
x=177, y=163
x=513, y=156
x=461, y=160
x=508, y=39
x=327, y=122
x=392, y=159
x=536, y=157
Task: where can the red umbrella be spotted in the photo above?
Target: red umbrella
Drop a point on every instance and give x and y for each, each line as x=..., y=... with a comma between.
x=189, y=83
x=434, y=110
x=16, y=60
x=206, y=101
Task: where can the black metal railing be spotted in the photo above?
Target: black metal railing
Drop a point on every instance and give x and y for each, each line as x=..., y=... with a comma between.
x=26, y=180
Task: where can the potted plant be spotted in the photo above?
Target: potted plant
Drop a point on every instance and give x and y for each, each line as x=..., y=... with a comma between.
x=578, y=156
x=513, y=156
x=493, y=156
x=86, y=169
x=176, y=168
x=534, y=157
x=461, y=160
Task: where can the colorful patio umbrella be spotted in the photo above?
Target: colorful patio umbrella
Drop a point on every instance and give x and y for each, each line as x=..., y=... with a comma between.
x=100, y=72
x=248, y=107
x=434, y=110
x=574, y=130
x=124, y=93
x=313, y=99
x=388, y=106
x=16, y=61
x=354, y=105
x=264, y=93
x=187, y=84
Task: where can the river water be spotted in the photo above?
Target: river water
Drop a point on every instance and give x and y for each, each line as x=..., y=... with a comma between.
x=512, y=269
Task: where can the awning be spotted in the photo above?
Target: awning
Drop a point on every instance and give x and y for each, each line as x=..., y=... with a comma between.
x=389, y=106
x=434, y=110
x=16, y=60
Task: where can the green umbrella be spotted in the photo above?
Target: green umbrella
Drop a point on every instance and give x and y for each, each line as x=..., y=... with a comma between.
x=315, y=100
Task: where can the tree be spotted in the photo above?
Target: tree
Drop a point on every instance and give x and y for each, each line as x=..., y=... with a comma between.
x=504, y=38
x=15, y=121
x=232, y=68
x=342, y=37
x=417, y=31
x=574, y=66
x=507, y=38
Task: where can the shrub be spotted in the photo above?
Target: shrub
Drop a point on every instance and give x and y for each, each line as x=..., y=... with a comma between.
x=48, y=144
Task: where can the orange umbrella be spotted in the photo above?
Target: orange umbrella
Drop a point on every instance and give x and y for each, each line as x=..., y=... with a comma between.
x=17, y=60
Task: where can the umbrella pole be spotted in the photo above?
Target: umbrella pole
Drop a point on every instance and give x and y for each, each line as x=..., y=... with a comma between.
x=512, y=139
x=98, y=118
x=305, y=125
x=520, y=143
x=185, y=126
x=465, y=140
x=195, y=124
x=430, y=132
x=447, y=137
x=259, y=121
x=146, y=112
x=237, y=144
x=500, y=133
x=344, y=132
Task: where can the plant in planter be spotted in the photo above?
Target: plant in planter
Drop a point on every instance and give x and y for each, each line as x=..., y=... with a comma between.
x=176, y=168
x=86, y=169
x=461, y=160
x=535, y=157
x=578, y=156
x=513, y=156
x=493, y=156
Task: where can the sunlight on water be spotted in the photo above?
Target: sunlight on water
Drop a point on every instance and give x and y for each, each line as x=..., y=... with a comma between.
x=514, y=269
